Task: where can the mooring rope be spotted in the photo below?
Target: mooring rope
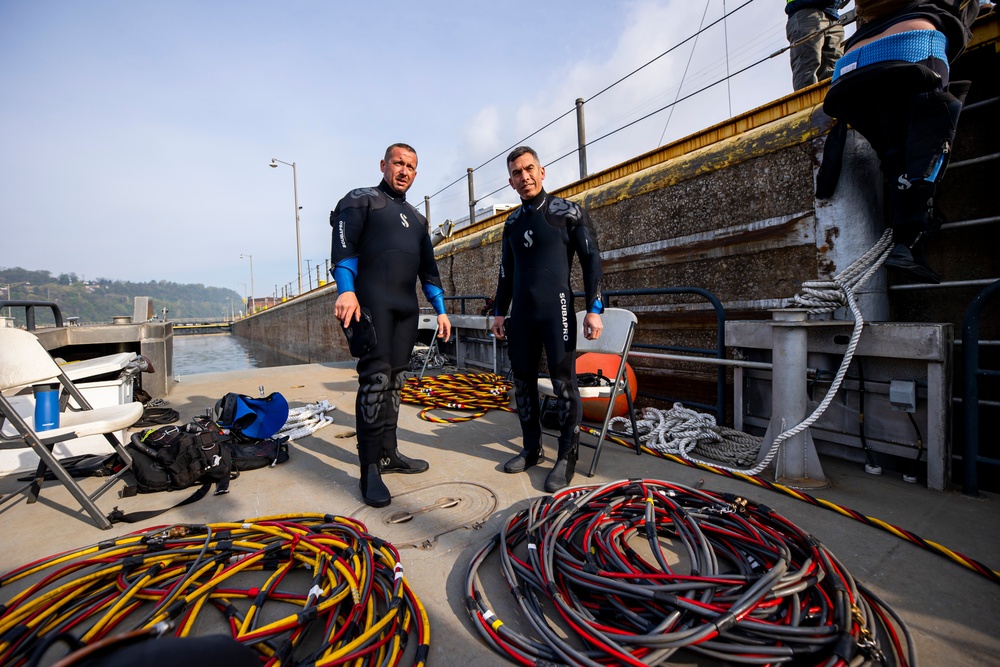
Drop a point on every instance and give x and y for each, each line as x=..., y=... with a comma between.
x=307, y=419
x=825, y=296
x=478, y=392
x=354, y=604
x=681, y=431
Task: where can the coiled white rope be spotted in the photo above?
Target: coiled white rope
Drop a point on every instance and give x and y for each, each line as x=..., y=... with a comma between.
x=681, y=433
x=307, y=420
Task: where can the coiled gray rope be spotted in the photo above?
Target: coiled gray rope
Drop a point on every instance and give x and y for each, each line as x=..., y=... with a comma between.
x=681, y=431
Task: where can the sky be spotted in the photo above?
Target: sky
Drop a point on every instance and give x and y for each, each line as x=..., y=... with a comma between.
x=137, y=135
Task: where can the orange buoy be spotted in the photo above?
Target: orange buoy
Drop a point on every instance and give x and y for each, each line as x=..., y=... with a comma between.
x=594, y=363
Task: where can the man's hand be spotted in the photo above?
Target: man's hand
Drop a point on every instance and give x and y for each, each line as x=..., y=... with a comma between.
x=498, y=328
x=347, y=308
x=444, y=327
x=592, y=326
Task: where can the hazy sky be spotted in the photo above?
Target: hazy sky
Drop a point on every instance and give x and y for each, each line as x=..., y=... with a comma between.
x=137, y=135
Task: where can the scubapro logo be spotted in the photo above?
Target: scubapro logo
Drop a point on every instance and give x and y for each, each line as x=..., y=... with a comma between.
x=402, y=217
x=343, y=234
x=527, y=239
x=565, y=315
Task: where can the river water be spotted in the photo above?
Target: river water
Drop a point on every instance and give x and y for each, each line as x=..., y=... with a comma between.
x=213, y=353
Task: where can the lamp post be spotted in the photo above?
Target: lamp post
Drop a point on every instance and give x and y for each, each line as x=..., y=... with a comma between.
x=9, y=285
x=250, y=308
x=295, y=191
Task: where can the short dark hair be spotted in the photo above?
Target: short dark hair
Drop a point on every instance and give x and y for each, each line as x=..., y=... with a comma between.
x=405, y=147
x=522, y=150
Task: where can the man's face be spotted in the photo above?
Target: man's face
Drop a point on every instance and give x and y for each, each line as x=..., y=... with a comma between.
x=400, y=169
x=526, y=176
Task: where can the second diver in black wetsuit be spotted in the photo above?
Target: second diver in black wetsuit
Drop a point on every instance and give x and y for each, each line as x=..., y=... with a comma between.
x=539, y=241
x=380, y=247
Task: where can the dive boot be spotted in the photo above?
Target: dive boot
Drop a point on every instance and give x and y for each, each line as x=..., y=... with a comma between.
x=561, y=474
x=524, y=460
x=373, y=490
x=395, y=462
x=910, y=265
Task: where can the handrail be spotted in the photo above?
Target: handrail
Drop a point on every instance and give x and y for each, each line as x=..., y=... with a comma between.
x=461, y=299
x=29, y=311
x=970, y=400
x=718, y=352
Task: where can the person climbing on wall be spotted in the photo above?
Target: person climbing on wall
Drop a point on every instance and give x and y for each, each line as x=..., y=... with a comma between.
x=892, y=86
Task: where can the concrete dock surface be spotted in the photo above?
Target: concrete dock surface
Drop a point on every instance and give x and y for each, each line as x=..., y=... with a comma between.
x=953, y=612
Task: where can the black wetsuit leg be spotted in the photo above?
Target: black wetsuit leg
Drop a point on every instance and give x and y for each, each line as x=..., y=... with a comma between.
x=524, y=347
x=380, y=372
x=528, y=336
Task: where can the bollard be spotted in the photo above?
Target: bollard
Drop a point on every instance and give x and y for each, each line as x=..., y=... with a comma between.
x=797, y=463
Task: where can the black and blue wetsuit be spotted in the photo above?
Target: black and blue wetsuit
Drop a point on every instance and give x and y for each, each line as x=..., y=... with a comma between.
x=895, y=91
x=539, y=241
x=381, y=246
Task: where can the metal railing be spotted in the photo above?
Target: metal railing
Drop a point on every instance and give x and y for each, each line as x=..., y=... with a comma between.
x=29, y=311
x=970, y=400
x=715, y=355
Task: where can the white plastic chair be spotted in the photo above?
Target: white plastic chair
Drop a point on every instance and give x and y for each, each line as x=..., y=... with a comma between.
x=23, y=363
x=619, y=329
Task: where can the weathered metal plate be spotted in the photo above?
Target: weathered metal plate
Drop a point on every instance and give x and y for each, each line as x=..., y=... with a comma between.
x=418, y=518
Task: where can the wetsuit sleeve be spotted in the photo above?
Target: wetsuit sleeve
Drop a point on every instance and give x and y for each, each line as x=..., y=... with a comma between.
x=505, y=283
x=430, y=278
x=584, y=240
x=348, y=222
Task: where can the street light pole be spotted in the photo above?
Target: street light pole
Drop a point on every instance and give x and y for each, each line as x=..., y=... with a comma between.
x=250, y=308
x=295, y=191
x=9, y=285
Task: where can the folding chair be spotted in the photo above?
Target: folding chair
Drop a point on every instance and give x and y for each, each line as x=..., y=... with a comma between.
x=24, y=362
x=619, y=329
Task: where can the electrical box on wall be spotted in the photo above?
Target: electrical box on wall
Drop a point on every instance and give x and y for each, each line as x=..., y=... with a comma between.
x=903, y=395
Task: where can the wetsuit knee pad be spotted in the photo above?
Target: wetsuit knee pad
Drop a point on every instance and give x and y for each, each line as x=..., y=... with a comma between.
x=566, y=400
x=395, y=387
x=371, y=397
x=526, y=397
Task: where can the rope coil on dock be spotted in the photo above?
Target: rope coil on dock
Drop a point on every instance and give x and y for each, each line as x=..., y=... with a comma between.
x=596, y=578
x=352, y=600
x=683, y=431
x=475, y=392
x=307, y=419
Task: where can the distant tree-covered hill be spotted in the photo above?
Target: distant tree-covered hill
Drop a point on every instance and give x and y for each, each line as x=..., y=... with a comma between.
x=101, y=299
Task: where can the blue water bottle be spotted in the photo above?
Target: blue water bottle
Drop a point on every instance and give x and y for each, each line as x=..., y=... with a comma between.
x=46, y=406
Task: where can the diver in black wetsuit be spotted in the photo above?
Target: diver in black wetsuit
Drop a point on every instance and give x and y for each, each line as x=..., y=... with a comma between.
x=892, y=86
x=539, y=241
x=380, y=247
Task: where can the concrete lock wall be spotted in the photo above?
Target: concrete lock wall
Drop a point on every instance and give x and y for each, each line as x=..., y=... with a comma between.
x=737, y=217
x=303, y=328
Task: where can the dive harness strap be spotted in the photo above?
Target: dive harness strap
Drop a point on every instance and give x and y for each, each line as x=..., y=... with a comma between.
x=118, y=516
